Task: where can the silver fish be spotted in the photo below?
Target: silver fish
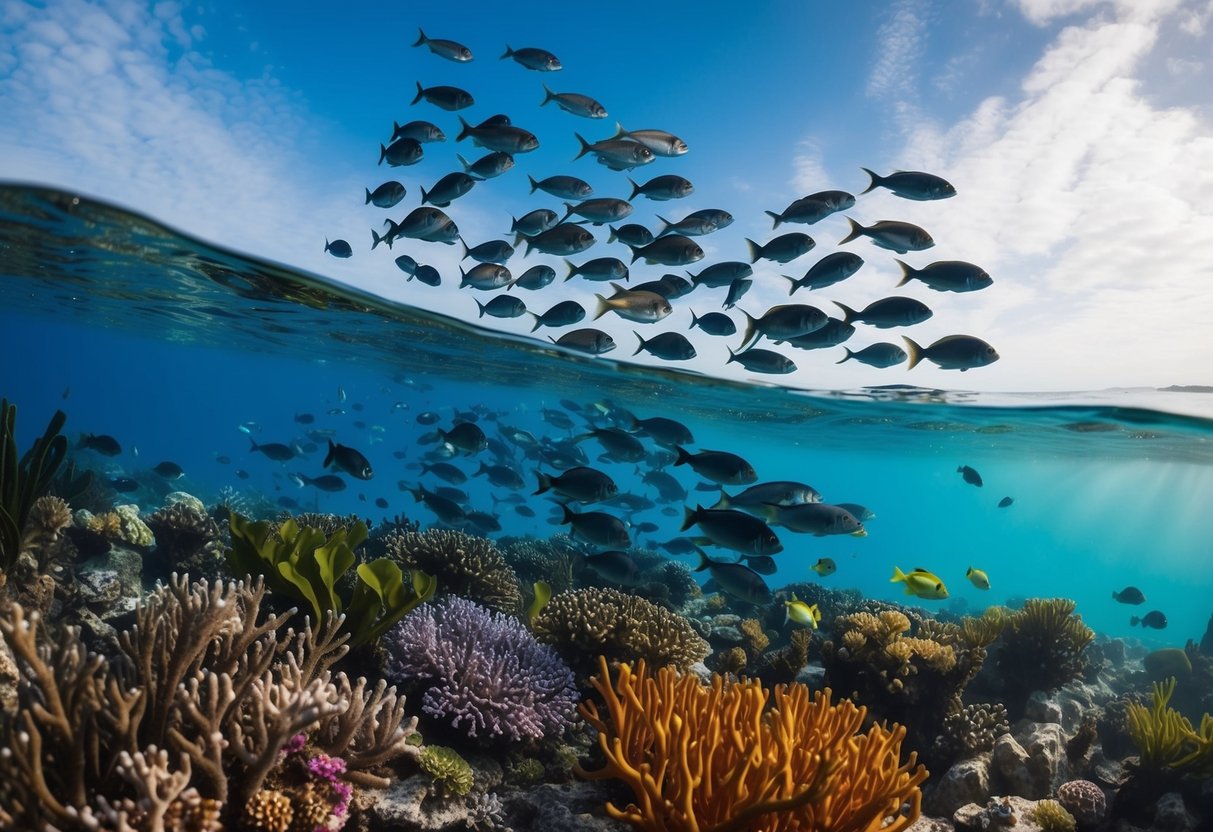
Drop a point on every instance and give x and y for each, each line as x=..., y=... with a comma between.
x=781, y=323
x=534, y=278
x=401, y=152
x=575, y=103
x=447, y=189
x=719, y=275
x=493, y=251
x=762, y=361
x=714, y=323
x=600, y=210
x=539, y=60
x=757, y=498
x=421, y=131
x=502, y=306
x=488, y=166
x=600, y=268
x=819, y=519
x=387, y=195
x=670, y=346
x=674, y=250
x=734, y=530
x=565, y=313
x=562, y=240
x=641, y=307
x=505, y=138
x=662, y=188
x=485, y=276
x=737, y=290
x=630, y=235
x=783, y=249
x=617, y=154
x=658, y=141
x=534, y=222
x=893, y=235
x=564, y=187
x=448, y=49
x=835, y=332
x=690, y=226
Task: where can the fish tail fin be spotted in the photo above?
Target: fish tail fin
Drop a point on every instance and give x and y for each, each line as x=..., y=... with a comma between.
x=636, y=255
x=636, y=189
x=704, y=561
x=298, y=479
x=848, y=356
x=330, y=456
x=748, y=332
x=585, y=147
x=614, y=235
x=420, y=94
x=689, y=517
x=876, y=180
x=548, y=95
x=375, y=240
x=640, y=348
x=538, y=321
x=382, y=154
x=1134, y=621
x=665, y=226
x=755, y=250
x=424, y=196
x=509, y=53
x=572, y=270
x=465, y=129
x=777, y=218
x=467, y=166
x=794, y=284
x=914, y=351
x=898, y=575
x=534, y=184
x=545, y=483
x=368, y=199
x=327, y=245
x=251, y=440
x=602, y=307
x=463, y=245
x=694, y=320
x=856, y=232
x=732, y=355
x=682, y=457
x=848, y=313
x=907, y=272
x=421, y=38
x=479, y=304
x=566, y=515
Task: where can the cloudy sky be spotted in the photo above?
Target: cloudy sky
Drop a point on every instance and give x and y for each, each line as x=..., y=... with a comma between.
x=1077, y=133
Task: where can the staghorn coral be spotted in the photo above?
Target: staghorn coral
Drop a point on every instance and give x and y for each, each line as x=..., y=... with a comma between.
x=451, y=771
x=972, y=730
x=589, y=622
x=1051, y=816
x=200, y=701
x=1041, y=648
x=187, y=541
x=1084, y=800
x=464, y=565
x=1166, y=739
x=716, y=758
x=482, y=671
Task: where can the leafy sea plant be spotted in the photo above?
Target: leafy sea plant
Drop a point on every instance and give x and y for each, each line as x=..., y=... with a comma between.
x=305, y=563
x=24, y=479
x=1166, y=739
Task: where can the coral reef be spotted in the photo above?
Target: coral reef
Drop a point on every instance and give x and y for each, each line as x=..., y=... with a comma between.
x=972, y=730
x=447, y=767
x=44, y=537
x=1041, y=648
x=716, y=758
x=589, y=622
x=1084, y=800
x=192, y=717
x=464, y=565
x=548, y=560
x=1051, y=816
x=482, y=672
x=188, y=541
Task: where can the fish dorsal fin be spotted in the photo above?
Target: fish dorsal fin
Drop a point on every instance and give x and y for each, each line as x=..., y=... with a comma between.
x=919, y=569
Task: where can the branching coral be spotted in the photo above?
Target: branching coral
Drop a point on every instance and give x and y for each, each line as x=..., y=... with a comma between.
x=1041, y=648
x=716, y=759
x=201, y=700
x=1166, y=739
x=595, y=621
x=464, y=565
x=482, y=671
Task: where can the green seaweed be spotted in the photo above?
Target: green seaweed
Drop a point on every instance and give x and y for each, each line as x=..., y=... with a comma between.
x=26, y=478
x=306, y=564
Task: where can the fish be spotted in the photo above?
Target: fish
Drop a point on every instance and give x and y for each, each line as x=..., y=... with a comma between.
x=565, y=313
x=952, y=352
x=169, y=470
x=534, y=278
x=737, y=290
x=489, y=166
x=599, y=210
x=831, y=269
x=719, y=275
x=448, y=98
x=669, y=490
x=688, y=226
x=861, y=513
x=1005, y=501
x=978, y=578
x=617, y=154
x=762, y=361
x=347, y=459
x=672, y=250
x=783, y=249
x=580, y=483
x=757, y=498
x=911, y=184
x=492, y=251
x=427, y=417
x=505, y=138
x=421, y=131
x=446, y=510
x=592, y=341
x=721, y=467
x=616, y=566
x=564, y=187
x=714, y=323
x=669, y=346
x=947, y=276
x=664, y=430
x=880, y=355
x=123, y=485
x=736, y=579
x=642, y=307
x=419, y=222
x=448, y=189
x=621, y=445
x=732, y=529
x=427, y=275
x=799, y=612
x=542, y=592
x=325, y=482
x=273, y=450
x=1129, y=595
x=631, y=235
x=888, y=312
x=575, y=103
x=534, y=222
x=1154, y=619
x=820, y=519
x=502, y=476
x=466, y=436
x=242, y=474
x=401, y=152
x=969, y=475
x=561, y=240
x=305, y=418
x=598, y=269
x=524, y=511
x=662, y=188
x=835, y=332
x=502, y=306
x=893, y=235
x=596, y=527
x=530, y=57
x=445, y=471
x=381, y=502
x=762, y=564
x=678, y=546
x=921, y=584
x=779, y=323
x=102, y=443
x=223, y=459
x=386, y=195
x=813, y=208
x=448, y=49
x=824, y=567
x=338, y=248
x=486, y=277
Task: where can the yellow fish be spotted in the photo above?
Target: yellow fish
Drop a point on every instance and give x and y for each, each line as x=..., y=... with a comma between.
x=921, y=583
x=825, y=566
x=543, y=594
x=802, y=613
x=979, y=578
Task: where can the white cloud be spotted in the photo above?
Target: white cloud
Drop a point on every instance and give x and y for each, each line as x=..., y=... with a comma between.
x=900, y=43
x=1182, y=67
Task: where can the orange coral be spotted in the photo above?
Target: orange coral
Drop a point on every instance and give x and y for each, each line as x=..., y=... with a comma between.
x=717, y=759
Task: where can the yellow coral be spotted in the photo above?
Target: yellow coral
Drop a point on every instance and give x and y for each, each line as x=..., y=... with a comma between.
x=853, y=640
x=1167, y=739
x=892, y=621
x=938, y=657
x=756, y=638
x=717, y=759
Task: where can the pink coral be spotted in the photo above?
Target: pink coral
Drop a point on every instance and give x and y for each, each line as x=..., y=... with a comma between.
x=1084, y=800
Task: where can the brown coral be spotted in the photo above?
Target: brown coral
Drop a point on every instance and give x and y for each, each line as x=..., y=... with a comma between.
x=465, y=565
x=1041, y=648
x=187, y=541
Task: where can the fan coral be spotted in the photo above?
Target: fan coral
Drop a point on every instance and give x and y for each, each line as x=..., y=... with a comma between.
x=1051, y=816
x=716, y=758
x=595, y=621
x=1084, y=800
x=447, y=767
x=465, y=565
x=187, y=541
x=482, y=671
x=1041, y=649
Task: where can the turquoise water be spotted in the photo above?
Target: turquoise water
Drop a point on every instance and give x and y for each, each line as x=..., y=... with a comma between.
x=169, y=345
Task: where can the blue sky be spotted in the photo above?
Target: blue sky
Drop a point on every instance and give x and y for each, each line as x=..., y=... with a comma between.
x=1077, y=133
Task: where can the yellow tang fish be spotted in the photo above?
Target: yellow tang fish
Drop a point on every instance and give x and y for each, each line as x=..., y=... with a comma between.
x=825, y=566
x=979, y=578
x=921, y=583
x=802, y=613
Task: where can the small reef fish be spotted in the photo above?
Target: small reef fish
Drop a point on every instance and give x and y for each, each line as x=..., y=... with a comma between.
x=564, y=187
x=819, y=519
x=978, y=578
x=502, y=306
x=662, y=188
x=718, y=466
x=799, y=612
x=466, y=436
x=169, y=470
x=736, y=579
x=831, y=269
x=762, y=361
x=758, y=497
x=489, y=166
x=585, y=485
x=348, y=459
x=912, y=184
x=504, y=138
x=732, y=529
x=1005, y=501
x=381, y=502
x=969, y=475
x=881, y=356
x=888, y=312
x=596, y=527
x=783, y=249
x=921, y=584
x=714, y=323
x=565, y=313
x=338, y=248
x=825, y=566
x=632, y=305
x=534, y=278
x=448, y=49
x=422, y=131
x=274, y=450
x=1154, y=620
x=1129, y=595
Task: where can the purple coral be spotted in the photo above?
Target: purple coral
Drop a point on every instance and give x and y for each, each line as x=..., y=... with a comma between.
x=482, y=670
